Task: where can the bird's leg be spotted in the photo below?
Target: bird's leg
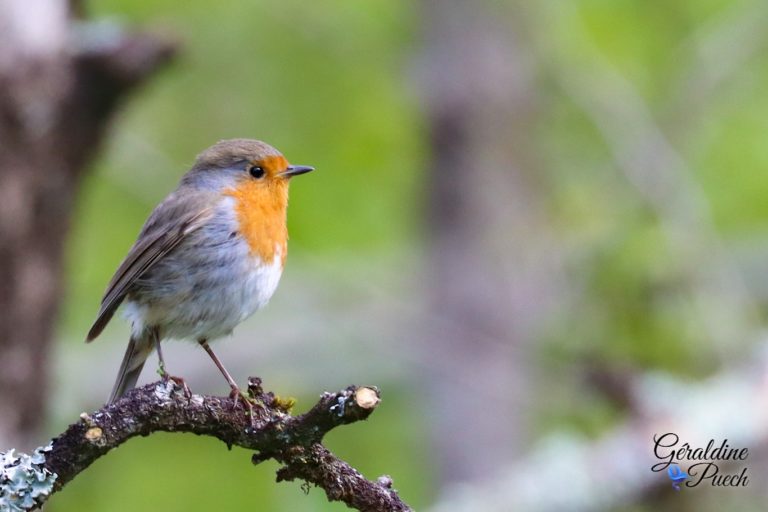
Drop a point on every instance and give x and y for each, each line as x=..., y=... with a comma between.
x=163, y=373
x=236, y=393
x=161, y=359
x=230, y=380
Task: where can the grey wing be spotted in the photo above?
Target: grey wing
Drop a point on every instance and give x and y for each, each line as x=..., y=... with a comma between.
x=170, y=223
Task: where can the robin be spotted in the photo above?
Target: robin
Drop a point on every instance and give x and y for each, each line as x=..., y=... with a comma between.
x=209, y=256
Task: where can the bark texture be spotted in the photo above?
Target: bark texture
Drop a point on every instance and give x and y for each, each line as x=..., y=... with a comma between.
x=269, y=429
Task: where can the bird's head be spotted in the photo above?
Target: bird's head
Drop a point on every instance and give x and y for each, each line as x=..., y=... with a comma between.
x=243, y=160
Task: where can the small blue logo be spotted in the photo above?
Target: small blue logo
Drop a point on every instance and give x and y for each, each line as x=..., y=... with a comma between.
x=677, y=475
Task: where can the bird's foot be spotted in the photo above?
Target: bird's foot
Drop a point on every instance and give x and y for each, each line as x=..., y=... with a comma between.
x=239, y=397
x=177, y=381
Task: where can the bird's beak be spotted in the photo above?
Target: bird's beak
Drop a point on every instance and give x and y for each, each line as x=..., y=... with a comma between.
x=295, y=170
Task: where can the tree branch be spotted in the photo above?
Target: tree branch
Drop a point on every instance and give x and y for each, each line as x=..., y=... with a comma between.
x=270, y=430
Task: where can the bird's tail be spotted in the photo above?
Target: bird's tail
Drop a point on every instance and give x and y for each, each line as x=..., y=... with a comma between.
x=133, y=361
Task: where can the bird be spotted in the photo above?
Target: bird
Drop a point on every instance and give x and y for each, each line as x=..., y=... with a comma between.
x=209, y=256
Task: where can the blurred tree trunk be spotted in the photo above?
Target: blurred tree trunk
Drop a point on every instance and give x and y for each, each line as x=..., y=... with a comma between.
x=60, y=80
x=493, y=271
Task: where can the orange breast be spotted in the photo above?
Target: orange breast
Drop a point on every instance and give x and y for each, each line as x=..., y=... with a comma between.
x=261, y=208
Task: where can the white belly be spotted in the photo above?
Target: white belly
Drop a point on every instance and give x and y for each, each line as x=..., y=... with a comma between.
x=216, y=312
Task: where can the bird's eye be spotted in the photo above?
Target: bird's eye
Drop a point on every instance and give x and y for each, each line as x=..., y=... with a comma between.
x=256, y=171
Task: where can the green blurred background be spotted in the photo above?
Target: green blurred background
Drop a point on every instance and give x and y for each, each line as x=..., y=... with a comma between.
x=665, y=264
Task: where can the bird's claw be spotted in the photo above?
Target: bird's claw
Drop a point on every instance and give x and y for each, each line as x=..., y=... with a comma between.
x=178, y=382
x=238, y=396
